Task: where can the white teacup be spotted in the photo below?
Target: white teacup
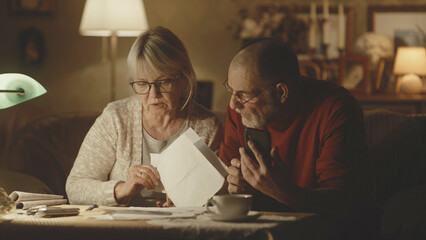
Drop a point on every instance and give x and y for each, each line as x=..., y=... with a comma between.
x=231, y=205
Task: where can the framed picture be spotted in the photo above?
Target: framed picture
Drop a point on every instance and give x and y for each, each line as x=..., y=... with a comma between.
x=291, y=24
x=303, y=13
x=404, y=24
x=32, y=7
x=354, y=73
x=385, y=79
x=31, y=47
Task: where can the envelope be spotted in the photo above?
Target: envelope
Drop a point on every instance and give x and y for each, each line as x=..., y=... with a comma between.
x=190, y=171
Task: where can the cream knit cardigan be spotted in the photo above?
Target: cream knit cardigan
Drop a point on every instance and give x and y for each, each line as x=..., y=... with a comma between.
x=114, y=144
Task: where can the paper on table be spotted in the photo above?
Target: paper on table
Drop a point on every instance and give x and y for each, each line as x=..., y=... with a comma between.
x=148, y=213
x=189, y=170
x=27, y=200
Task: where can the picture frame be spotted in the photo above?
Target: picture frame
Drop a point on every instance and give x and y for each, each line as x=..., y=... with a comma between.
x=354, y=73
x=404, y=24
x=303, y=12
x=31, y=47
x=32, y=7
x=386, y=81
x=297, y=22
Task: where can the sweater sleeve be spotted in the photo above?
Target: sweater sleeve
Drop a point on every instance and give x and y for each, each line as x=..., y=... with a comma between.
x=88, y=181
x=229, y=147
x=344, y=150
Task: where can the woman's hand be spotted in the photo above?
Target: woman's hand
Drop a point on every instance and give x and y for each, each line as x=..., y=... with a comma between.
x=167, y=203
x=140, y=177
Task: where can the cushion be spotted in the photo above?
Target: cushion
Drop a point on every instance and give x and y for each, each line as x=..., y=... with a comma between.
x=47, y=147
x=404, y=215
x=15, y=181
x=397, y=148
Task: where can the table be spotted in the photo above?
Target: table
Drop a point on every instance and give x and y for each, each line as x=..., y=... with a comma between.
x=306, y=226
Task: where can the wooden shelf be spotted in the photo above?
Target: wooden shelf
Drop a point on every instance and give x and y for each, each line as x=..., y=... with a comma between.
x=404, y=103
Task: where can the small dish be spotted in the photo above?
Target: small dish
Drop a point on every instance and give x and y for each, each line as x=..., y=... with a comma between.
x=250, y=216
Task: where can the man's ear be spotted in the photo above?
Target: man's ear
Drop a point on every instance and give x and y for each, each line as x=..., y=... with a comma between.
x=282, y=92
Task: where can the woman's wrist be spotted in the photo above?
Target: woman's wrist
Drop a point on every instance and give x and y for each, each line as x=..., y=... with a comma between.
x=119, y=193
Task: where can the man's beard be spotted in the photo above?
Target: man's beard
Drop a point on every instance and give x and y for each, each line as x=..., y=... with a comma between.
x=260, y=118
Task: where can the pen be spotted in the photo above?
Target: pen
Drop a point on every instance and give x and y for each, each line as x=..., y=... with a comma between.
x=92, y=207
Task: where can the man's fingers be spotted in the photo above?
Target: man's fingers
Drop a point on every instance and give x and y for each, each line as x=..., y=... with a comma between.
x=236, y=162
x=235, y=181
x=235, y=189
x=235, y=172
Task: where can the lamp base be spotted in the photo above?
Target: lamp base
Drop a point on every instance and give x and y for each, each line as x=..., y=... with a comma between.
x=411, y=84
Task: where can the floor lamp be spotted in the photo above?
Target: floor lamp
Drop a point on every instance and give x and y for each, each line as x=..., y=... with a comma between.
x=113, y=18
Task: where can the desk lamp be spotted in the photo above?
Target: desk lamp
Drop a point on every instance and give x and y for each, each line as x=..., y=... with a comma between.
x=113, y=18
x=410, y=62
x=16, y=88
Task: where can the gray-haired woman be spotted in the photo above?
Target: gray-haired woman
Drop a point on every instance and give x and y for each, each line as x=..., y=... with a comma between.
x=113, y=165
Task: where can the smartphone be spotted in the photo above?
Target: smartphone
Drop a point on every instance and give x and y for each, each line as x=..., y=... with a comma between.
x=262, y=141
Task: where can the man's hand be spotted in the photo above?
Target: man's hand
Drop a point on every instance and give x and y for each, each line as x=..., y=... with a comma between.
x=236, y=182
x=272, y=181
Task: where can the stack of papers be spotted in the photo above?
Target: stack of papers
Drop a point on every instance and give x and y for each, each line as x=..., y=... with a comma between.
x=189, y=170
x=25, y=200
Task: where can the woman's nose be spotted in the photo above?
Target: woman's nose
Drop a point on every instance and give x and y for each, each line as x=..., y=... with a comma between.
x=154, y=90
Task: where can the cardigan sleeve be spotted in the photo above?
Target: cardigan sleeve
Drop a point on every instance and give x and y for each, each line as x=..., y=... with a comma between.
x=88, y=181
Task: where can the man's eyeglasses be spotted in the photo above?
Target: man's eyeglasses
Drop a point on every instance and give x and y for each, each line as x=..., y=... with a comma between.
x=143, y=87
x=243, y=97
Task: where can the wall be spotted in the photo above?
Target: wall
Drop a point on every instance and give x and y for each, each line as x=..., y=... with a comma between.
x=77, y=79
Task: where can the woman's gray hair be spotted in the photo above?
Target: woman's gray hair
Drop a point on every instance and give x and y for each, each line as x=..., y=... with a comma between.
x=160, y=50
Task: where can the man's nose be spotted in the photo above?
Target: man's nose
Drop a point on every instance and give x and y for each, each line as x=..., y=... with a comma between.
x=234, y=103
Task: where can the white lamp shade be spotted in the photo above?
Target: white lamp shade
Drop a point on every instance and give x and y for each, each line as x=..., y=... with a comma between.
x=126, y=18
x=410, y=60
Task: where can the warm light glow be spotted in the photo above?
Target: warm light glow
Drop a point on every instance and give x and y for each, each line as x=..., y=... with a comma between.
x=127, y=18
x=410, y=60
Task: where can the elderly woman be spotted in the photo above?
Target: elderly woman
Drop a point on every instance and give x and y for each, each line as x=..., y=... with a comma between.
x=113, y=165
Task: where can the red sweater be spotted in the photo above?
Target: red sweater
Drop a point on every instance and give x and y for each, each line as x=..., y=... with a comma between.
x=319, y=134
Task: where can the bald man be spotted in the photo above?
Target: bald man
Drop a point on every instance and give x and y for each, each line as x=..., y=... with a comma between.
x=319, y=153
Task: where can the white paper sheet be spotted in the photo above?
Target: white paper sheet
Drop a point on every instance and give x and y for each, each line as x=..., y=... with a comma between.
x=190, y=172
x=149, y=213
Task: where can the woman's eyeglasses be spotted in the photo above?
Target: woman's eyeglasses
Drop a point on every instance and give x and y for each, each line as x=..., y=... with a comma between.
x=143, y=87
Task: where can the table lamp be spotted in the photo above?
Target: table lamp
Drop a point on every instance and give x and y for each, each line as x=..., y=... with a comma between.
x=16, y=88
x=410, y=62
x=113, y=18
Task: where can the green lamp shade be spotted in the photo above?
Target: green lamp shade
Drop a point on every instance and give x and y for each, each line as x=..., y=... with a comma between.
x=15, y=82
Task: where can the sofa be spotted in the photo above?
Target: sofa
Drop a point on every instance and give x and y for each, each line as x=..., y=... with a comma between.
x=42, y=154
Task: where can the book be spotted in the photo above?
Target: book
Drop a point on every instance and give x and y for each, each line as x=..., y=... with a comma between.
x=25, y=200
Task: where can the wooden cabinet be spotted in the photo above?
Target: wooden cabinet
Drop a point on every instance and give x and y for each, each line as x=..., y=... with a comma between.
x=393, y=102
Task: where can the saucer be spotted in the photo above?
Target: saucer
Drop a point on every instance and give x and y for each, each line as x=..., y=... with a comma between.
x=250, y=216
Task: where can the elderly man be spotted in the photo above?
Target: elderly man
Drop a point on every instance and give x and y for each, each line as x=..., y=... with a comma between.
x=319, y=153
